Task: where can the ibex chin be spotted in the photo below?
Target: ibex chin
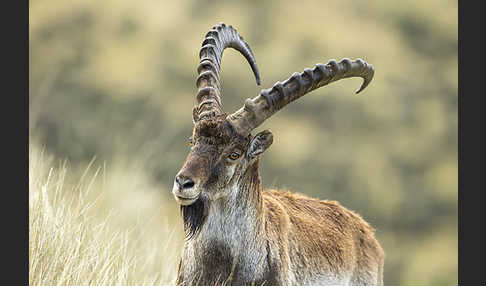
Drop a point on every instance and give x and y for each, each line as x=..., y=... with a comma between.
x=237, y=233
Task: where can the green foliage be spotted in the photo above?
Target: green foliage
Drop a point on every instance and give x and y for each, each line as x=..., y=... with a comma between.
x=117, y=80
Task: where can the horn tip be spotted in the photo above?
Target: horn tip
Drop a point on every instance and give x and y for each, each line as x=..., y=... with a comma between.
x=367, y=78
x=364, y=85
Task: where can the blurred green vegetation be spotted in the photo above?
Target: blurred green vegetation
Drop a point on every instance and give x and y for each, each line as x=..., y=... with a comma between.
x=116, y=80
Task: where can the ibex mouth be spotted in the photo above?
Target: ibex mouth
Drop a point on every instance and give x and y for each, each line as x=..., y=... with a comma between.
x=185, y=194
x=185, y=201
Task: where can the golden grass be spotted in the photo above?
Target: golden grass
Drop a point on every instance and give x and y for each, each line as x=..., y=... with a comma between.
x=77, y=238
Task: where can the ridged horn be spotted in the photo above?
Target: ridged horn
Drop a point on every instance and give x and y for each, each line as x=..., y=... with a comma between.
x=269, y=101
x=208, y=83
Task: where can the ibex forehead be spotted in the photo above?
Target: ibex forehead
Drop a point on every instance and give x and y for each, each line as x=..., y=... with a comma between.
x=218, y=131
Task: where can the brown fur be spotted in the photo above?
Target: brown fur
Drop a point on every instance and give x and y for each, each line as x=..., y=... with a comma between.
x=240, y=234
x=324, y=229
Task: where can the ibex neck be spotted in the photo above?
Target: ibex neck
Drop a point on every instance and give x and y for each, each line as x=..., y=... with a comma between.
x=242, y=206
x=231, y=236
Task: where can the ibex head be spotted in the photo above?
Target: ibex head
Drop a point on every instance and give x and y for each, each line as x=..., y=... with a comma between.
x=222, y=147
x=219, y=156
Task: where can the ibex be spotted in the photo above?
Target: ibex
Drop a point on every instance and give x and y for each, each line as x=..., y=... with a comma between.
x=238, y=233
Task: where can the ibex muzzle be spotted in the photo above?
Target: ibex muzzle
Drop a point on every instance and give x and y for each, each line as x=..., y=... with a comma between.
x=235, y=229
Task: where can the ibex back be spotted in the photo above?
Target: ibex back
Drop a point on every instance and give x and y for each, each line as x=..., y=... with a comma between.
x=237, y=232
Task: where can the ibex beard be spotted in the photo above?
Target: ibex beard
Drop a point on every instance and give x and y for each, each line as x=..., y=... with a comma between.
x=237, y=233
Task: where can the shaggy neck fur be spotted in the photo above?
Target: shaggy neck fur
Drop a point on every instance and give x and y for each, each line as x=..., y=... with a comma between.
x=194, y=216
x=222, y=236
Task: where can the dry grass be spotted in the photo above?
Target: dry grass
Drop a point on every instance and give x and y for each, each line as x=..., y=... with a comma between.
x=76, y=237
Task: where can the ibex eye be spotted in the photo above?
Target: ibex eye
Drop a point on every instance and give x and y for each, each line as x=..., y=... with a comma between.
x=234, y=156
x=190, y=141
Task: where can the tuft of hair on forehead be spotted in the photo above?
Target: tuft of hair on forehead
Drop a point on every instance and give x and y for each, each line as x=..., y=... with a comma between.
x=217, y=130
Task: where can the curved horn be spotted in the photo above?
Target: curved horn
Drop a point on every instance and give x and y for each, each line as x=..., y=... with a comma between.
x=209, y=89
x=261, y=107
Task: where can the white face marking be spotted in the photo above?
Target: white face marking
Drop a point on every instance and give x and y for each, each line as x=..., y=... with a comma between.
x=186, y=196
x=223, y=193
x=230, y=171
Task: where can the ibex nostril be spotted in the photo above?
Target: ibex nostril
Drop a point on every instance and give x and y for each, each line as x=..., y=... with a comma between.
x=188, y=183
x=184, y=183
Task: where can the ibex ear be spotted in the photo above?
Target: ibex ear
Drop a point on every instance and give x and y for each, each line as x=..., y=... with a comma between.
x=195, y=117
x=259, y=144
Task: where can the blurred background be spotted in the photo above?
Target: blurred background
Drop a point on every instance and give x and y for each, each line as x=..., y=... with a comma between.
x=114, y=81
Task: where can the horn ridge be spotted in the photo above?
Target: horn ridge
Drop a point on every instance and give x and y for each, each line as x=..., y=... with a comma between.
x=279, y=95
x=215, y=42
